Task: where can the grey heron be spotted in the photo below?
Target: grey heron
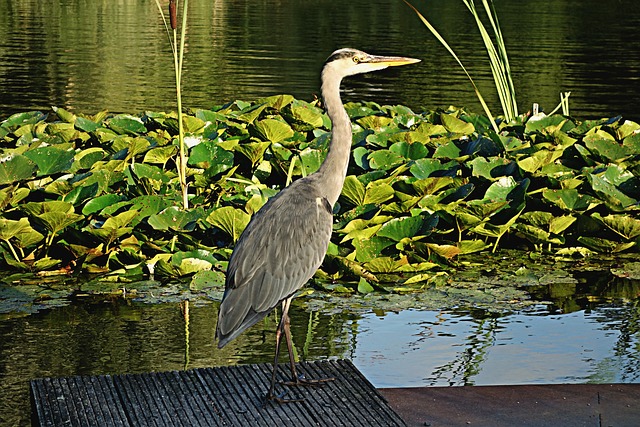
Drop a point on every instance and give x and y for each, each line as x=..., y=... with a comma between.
x=287, y=239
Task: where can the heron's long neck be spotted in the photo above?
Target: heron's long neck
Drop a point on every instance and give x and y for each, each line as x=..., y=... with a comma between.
x=333, y=170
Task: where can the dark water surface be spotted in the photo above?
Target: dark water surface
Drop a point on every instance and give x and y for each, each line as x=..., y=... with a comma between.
x=597, y=344
x=92, y=55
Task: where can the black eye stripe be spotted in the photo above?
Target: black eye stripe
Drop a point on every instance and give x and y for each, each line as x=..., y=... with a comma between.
x=343, y=54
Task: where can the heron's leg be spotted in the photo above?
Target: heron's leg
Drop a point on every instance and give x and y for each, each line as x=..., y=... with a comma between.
x=281, y=328
x=295, y=378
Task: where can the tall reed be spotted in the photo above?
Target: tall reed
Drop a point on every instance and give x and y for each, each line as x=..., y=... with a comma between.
x=497, y=55
x=178, y=55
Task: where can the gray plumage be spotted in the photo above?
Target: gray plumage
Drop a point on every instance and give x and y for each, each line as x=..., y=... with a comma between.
x=287, y=239
x=273, y=259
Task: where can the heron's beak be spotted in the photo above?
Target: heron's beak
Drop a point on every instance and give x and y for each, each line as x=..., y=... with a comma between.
x=391, y=61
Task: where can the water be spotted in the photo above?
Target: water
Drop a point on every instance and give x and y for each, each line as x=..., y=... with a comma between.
x=408, y=348
x=92, y=55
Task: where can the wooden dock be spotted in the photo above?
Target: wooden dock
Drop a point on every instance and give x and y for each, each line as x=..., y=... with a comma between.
x=233, y=396
x=223, y=396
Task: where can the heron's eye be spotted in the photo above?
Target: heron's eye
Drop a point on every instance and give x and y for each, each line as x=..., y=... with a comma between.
x=357, y=59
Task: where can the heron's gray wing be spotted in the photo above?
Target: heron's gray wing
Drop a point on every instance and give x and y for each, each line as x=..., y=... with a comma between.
x=279, y=251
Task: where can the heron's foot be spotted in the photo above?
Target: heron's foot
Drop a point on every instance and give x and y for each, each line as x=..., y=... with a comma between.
x=301, y=380
x=279, y=398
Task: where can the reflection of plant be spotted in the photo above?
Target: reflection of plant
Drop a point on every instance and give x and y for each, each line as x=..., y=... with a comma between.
x=468, y=362
x=421, y=188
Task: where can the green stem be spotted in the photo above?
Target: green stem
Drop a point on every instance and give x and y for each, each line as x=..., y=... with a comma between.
x=13, y=251
x=179, y=62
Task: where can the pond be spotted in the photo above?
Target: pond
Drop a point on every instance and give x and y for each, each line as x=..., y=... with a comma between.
x=93, y=55
x=589, y=335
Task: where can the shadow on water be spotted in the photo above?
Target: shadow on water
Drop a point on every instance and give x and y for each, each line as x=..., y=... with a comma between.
x=590, y=335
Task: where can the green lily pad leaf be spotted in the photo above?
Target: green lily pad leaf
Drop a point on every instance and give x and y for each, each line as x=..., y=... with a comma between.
x=10, y=228
x=533, y=234
x=400, y=228
x=37, y=208
x=499, y=190
x=114, y=227
x=65, y=115
x=97, y=204
x=311, y=160
x=364, y=287
x=455, y=125
x=446, y=251
x=492, y=168
x=85, y=159
x=538, y=218
x=305, y=115
x=161, y=155
x=127, y=124
x=385, y=160
x=450, y=150
x=86, y=125
x=16, y=168
x=411, y=151
x=192, y=261
x=174, y=218
x=605, y=187
x=57, y=221
x=253, y=151
x=604, y=245
x=209, y=155
x=249, y=113
x=378, y=192
x=360, y=157
x=230, y=220
x=45, y=263
x=21, y=119
x=149, y=172
x=560, y=223
x=206, y=279
x=471, y=246
x=192, y=124
x=570, y=199
x=624, y=225
x=609, y=150
x=424, y=168
x=383, y=265
x=431, y=185
x=276, y=102
x=538, y=160
x=146, y=206
x=353, y=190
x=50, y=160
x=375, y=122
x=368, y=249
x=273, y=130
x=81, y=193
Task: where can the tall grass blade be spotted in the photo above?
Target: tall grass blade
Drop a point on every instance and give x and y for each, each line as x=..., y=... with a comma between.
x=498, y=58
x=437, y=35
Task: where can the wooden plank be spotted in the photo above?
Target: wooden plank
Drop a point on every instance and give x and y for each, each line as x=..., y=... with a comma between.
x=224, y=396
x=567, y=405
x=73, y=401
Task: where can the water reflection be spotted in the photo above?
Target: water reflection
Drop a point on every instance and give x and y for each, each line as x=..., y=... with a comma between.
x=409, y=348
x=98, y=54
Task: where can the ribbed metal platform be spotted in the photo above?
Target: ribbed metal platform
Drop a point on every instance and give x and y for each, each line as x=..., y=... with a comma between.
x=223, y=396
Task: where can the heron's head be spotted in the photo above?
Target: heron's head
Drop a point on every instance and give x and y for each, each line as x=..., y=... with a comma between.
x=348, y=62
